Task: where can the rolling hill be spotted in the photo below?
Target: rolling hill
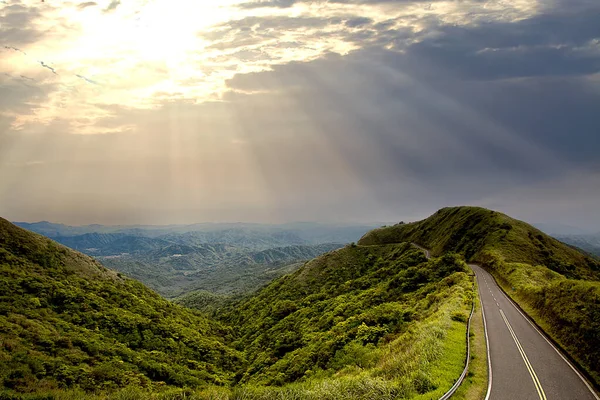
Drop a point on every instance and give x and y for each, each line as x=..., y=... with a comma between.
x=554, y=282
x=371, y=320
x=351, y=323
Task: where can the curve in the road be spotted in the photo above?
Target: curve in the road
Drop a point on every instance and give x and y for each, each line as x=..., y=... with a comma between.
x=522, y=362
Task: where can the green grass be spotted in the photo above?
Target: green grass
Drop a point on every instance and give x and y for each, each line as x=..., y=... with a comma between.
x=474, y=387
x=555, y=283
x=362, y=322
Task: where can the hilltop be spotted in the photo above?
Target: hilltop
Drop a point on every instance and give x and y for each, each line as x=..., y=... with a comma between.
x=476, y=232
x=557, y=284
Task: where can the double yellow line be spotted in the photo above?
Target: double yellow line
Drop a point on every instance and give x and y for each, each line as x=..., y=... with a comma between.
x=536, y=381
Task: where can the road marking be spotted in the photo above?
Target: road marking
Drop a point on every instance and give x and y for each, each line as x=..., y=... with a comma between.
x=536, y=382
x=551, y=345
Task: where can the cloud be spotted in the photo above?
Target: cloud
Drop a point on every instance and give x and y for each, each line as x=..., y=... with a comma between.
x=112, y=6
x=87, y=4
x=17, y=25
x=377, y=109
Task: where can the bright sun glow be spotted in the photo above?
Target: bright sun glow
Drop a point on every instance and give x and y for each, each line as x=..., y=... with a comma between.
x=139, y=53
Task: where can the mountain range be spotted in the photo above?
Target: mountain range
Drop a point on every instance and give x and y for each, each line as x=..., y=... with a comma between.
x=221, y=258
x=375, y=319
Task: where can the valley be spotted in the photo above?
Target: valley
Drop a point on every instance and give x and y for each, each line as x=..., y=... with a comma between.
x=229, y=259
x=379, y=319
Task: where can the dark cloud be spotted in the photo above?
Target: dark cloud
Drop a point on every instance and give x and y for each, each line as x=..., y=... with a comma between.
x=358, y=21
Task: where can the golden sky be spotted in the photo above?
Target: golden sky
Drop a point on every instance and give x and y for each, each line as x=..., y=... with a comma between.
x=164, y=111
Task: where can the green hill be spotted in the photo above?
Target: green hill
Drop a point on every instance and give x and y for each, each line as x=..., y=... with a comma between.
x=66, y=321
x=359, y=322
x=554, y=282
x=380, y=318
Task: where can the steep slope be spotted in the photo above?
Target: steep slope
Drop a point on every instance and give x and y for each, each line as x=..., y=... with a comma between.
x=555, y=283
x=380, y=317
x=65, y=320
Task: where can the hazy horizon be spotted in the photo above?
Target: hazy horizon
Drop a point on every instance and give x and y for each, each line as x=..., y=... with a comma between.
x=173, y=112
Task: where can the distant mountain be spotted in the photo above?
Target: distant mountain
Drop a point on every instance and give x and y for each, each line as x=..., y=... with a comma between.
x=224, y=258
x=588, y=242
x=110, y=244
x=561, y=229
x=177, y=269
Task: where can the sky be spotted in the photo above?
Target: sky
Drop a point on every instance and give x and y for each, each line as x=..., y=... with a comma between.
x=176, y=111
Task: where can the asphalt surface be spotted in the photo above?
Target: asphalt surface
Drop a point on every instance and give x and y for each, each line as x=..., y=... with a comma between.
x=525, y=366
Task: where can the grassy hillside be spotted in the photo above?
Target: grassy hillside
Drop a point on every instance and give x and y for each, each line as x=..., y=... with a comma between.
x=557, y=284
x=362, y=322
x=66, y=321
x=380, y=317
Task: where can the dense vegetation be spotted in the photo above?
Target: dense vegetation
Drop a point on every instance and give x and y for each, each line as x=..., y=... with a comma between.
x=335, y=310
x=558, y=285
x=360, y=322
x=65, y=321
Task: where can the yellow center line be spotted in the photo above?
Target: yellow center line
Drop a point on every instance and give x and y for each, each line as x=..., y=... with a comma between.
x=536, y=382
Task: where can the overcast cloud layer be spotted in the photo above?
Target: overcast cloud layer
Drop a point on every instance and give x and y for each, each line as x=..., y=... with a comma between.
x=170, y=111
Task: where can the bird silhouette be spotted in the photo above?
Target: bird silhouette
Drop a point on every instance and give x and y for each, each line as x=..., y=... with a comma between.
x=86, y=79
x=15, y=49
x=49, y=67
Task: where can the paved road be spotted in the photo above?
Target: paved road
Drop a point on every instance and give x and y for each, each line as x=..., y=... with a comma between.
x=525, y=366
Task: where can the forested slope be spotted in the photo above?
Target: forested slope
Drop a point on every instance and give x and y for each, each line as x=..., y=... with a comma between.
x=67, y=321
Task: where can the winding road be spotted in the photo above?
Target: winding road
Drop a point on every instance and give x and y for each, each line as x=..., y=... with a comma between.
x=524, y=364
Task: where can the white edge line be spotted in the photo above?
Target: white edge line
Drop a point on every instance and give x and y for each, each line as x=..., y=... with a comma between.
x=548, y=341
x=487, y=345
x=456, y=385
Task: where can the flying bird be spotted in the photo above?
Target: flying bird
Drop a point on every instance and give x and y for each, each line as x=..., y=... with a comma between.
x=87, y=79
x=15, y=49
x=49, y=67
x=27, y=78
